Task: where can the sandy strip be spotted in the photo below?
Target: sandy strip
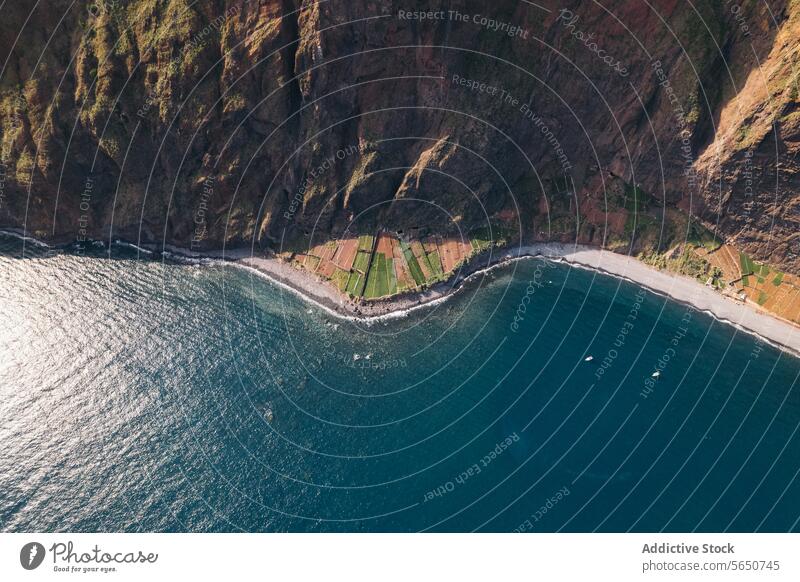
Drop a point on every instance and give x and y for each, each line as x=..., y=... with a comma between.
x=745, y=316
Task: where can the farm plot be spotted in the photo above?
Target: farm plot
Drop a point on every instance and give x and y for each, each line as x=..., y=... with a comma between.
x=362, y=262
x=309, y=262
x=436, y=264
x=430, y=245
x=325, y=252
x=355, y=284
x=402, y=273
x=383, y=265
x=413, y=264
x=346, y=251
x=453, y=252
x=750, y=266
x=422, y=259
x=384, y=244
x=727, y=260
x=340, y=278
x=381, y=280
x=365, y=242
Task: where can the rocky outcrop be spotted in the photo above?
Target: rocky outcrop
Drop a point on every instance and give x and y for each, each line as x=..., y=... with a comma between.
x=227, y=122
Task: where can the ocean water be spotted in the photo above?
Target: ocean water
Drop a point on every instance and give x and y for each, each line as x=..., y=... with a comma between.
x=138, y=395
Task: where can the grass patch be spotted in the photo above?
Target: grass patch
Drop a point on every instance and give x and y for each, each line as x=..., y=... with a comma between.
x=747, y=264
x=392, y=276
x=746, y=281
x=762, y=298
x=355, y=284
x=479, y=244
x=778, y=279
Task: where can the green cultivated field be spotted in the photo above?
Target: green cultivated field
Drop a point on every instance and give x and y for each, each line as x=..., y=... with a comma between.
x=362, y=261
x=355, y=285
x=435, y=263
x=413, y=265
x=373, y=275
x=381, y=278
x=392, y=276
x=365, y=243
x=757, y=270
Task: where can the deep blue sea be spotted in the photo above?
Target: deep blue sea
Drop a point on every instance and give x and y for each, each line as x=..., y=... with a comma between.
x=139, y=395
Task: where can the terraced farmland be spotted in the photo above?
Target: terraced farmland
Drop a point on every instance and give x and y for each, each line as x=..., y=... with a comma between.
x=774, y=291
x=382, y=265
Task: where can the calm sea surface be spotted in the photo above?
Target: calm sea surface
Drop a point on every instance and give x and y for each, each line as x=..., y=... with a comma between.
x=137, y=395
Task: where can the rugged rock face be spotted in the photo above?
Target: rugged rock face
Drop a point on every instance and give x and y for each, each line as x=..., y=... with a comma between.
x=622, y=124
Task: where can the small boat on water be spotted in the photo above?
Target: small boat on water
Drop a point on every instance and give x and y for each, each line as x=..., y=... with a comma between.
x=588, y=358
x=268, y=414
x=655, y=374
x=356, y=357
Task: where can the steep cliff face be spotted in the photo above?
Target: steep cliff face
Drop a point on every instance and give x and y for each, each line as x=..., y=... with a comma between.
x=624, y=124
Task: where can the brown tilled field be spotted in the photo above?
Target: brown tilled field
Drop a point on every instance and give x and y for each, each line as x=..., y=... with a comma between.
x=784, y=300
x=346, y=253
x=727, y=259
x=453, y=251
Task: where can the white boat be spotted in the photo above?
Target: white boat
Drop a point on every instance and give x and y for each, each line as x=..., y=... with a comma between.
x=268, y=415
x=655, y=374
x=588, y=358
x=356, y=357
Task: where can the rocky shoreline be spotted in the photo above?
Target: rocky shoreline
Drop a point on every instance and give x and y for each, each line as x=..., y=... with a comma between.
x=745, y=316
